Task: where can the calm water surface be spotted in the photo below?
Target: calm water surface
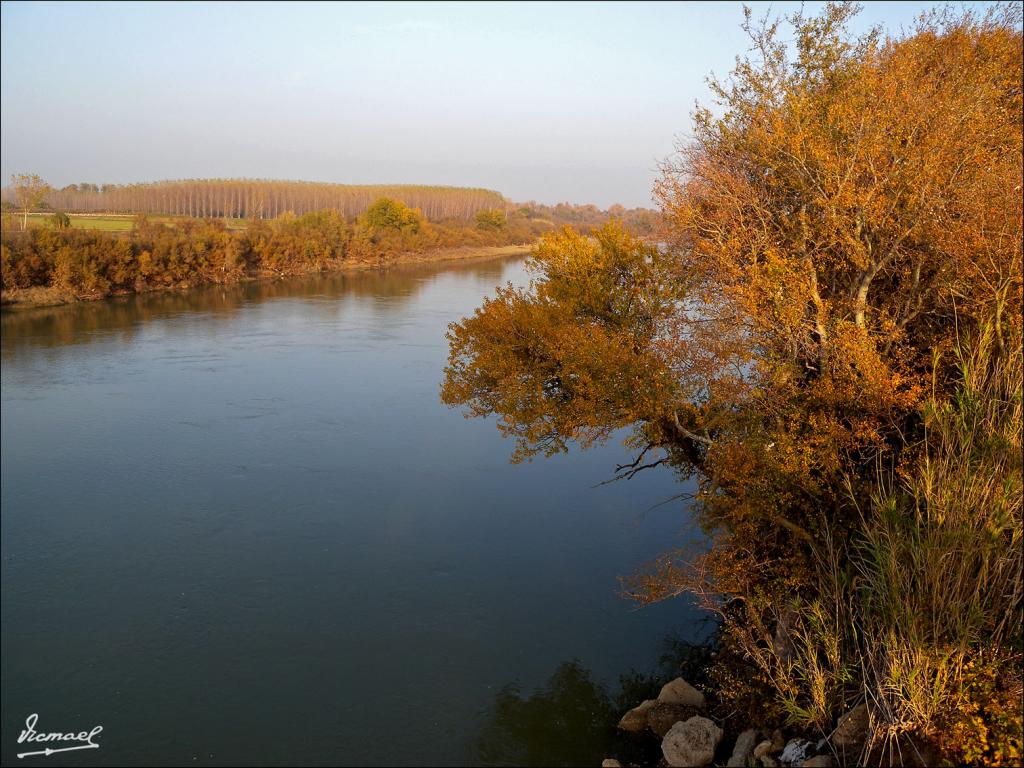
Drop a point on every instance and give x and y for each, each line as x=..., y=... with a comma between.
x=239, y=528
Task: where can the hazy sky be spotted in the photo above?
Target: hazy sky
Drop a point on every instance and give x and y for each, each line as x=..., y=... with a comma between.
x=550, y=102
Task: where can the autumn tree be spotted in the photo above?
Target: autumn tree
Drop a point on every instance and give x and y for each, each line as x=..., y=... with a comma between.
x=30, y=191
x=849, y=211
x=828, y=232
x=571, y=358
x=491, y=219
x=60, y=220
x=391, y=215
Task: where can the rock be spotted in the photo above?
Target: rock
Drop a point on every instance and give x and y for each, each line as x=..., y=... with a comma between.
x=763, y=752
x=743, y=749
x=820, y=761
x=778, y=742
x=691, y=743
x=796, y=751
x=851, y=728
x=609, y=762
x=681, y=692
x=635, y=720
x=661, y=717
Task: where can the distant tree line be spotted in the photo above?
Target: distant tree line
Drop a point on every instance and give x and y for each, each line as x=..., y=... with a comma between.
x=264, y=199
x=585, y=218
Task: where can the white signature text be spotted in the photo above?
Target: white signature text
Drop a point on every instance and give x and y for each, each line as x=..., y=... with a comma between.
x=32, y=736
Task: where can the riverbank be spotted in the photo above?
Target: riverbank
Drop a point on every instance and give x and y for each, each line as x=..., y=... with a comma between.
x=693, y=731
x=48, y=296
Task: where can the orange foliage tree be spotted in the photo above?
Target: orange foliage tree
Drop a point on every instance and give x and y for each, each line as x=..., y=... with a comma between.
x=850, y=211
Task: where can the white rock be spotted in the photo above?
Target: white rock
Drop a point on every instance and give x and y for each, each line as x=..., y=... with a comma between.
x=691, y=744
x=796, y=752
x=681, y=692
x=743, y=749
x=610, y=762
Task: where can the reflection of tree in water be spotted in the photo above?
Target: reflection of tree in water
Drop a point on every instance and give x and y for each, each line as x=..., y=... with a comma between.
x=572, y=719
x=565, y=723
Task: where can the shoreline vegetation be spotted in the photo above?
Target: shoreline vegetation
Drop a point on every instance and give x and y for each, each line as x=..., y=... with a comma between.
x=830, y=344
x=38, y=297
x=56, y=258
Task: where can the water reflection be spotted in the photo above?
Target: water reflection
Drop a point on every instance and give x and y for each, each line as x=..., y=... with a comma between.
x=84, y=322
x=568, y=722
x=572, y=719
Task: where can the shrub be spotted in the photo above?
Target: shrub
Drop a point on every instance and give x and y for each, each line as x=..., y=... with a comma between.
x=60, y=220
x=491, y=220
x=391, y=215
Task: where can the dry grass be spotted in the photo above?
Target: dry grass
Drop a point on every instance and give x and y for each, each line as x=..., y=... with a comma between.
x=926, y=599
x=940, y=562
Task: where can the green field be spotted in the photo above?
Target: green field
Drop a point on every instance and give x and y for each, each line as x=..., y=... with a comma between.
x=109, y=222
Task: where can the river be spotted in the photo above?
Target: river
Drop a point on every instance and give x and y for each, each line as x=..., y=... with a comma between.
x=239, y=527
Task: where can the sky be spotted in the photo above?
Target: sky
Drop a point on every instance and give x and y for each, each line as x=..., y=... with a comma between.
x=574, y=102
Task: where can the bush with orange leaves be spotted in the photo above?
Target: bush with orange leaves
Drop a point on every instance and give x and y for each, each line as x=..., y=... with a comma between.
x=835, y=230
